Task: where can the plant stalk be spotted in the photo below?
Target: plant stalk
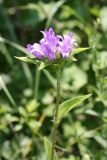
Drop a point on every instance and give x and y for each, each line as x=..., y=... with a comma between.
x=55, y=124
x=37, y=80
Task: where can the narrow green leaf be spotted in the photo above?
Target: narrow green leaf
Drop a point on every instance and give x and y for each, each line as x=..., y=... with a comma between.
x=68, y=105
x=3, y=86
x=26, y=68
x=6, y=53
x=41, y=65
x=26, y=59
x=27, y=73
x=78, y=50
x=48, y=149
x=15, y=45
x=50, y=78
x=53, y=10
x=101, y=141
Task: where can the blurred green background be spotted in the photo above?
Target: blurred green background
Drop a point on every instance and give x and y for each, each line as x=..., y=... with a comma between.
x=27, y=97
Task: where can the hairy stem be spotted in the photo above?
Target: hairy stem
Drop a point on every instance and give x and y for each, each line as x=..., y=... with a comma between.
x=55, y=124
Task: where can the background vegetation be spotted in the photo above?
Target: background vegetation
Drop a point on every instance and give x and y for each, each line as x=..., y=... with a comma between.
x=27, y=97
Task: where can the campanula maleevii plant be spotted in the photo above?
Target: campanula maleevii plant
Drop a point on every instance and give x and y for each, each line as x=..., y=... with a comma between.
x=51, y=48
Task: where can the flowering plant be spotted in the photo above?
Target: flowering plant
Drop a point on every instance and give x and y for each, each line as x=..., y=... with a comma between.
x=55, y=50
x=52, y=46
x=52, y=50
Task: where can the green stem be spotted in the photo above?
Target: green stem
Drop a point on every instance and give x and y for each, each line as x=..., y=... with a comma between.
x=55, y=124
x=37, y=80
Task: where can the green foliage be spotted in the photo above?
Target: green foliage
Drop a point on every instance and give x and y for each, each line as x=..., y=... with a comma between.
x=79, y=50
x=48, y=149
x=68, y=105
x=27, y=97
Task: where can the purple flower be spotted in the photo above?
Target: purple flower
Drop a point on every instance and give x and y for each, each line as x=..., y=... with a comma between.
x=49, y=43
x=52, y=46
x=66, y=45
x=35, y=49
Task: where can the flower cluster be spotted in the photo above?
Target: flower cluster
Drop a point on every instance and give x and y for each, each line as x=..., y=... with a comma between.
x=53, y=46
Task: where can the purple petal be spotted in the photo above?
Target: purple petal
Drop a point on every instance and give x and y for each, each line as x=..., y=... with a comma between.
x=29, y=47
x=48, y=52
x=37, y=54
x=50, y=39
x=35, y=50
x=66, y=45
